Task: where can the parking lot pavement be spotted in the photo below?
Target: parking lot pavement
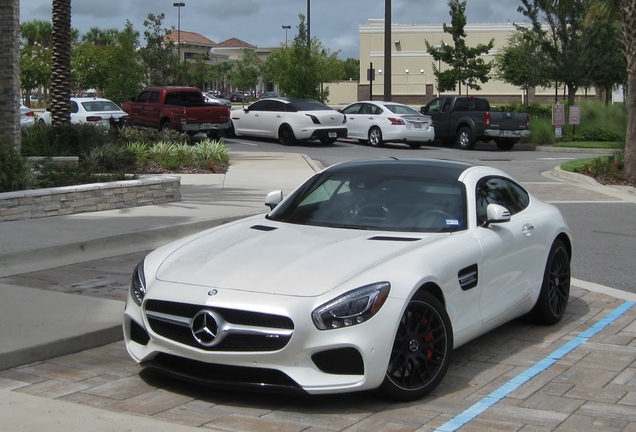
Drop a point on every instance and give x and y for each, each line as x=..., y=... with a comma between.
x=590, y=387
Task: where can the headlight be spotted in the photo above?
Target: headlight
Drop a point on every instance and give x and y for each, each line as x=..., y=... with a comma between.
x=138, y=284
x=352, y=308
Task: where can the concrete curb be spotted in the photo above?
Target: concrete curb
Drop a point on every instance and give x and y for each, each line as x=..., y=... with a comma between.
x=59, y=255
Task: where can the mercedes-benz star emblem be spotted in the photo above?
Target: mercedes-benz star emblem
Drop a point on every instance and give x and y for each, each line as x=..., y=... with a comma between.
x=204, y=328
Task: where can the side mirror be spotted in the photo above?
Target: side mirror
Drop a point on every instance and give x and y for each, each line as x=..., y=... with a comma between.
x=496, y=213
x=424, y=109
x=273, y=199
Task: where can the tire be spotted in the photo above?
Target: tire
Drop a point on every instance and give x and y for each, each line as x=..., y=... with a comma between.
x=465, y=139
x=328, y=141
x=165, y=126
x=229, y=132
x=415, y=146
x=505, y=144
x=286, y=135
x=421, y=351
x=375, y=137
x=555, y=289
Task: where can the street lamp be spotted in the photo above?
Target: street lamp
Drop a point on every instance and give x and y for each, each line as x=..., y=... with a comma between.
x=286, y=27
x=179, y=5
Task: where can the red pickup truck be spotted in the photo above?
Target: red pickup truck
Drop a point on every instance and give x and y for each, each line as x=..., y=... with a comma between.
x=180, y=108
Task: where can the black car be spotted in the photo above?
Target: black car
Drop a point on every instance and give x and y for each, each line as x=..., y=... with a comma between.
x=239, y=97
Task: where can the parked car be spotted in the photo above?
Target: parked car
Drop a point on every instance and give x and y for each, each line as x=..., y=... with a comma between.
x=215, y=100
x=289, y=120
x=464, y=120
x=239, y=97
x=266, y=95
x=95, y=111
x=179, y=108
x=378, y=123
x=367, y=276
x=27, y=116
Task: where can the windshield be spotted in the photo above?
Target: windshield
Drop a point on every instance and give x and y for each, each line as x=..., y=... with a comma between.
x=377, y=202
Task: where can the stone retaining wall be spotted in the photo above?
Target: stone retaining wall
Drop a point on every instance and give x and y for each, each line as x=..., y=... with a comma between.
x=37, y=203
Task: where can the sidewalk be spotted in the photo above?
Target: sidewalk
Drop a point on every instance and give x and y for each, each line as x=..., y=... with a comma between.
x=37, y=325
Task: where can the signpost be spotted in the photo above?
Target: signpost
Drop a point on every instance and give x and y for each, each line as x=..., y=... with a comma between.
x=558, y=120
x=574, y=117
x=370, y=78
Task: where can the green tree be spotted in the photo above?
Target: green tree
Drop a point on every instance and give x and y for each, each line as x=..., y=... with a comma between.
x=465, y=64
x=351, y=69
x=158, y=56
x=61, y=62
x=97, y=36
x=330, y=68
x=246, y=73
x=37, y=32
x=219, y=75
x=92, y=66
x=126, y=74
x=568, y=43
x=517, y=64
x=299, y=69
x=199, y=72
x=35, y=68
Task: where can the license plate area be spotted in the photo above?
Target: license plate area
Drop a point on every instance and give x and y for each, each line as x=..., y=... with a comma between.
x=333, y=134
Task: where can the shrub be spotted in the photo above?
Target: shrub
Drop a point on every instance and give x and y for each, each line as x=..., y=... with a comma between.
x=16, y=172
x=109, y=157
x=42, y=140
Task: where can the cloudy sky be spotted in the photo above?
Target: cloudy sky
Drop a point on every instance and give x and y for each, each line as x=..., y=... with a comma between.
x=259, y=22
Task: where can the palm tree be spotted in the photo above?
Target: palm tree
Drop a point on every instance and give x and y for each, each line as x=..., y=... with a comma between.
x=10, y=73
x=37, y=31
x=61, y=62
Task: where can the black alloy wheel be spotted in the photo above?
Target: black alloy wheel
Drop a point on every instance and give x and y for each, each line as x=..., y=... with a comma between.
x=555, y=290
x=421, y=350
x=286, y=135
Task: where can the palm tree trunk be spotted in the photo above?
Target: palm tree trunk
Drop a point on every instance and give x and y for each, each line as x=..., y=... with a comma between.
x=61, y=62
x=10, y=72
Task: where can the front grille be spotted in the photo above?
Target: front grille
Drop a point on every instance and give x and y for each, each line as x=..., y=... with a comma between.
x=233, y=342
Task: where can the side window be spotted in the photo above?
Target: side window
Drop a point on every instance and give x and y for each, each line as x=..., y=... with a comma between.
x=74, y=107
x=502, y=191
x=353, y=109
x=143, y=96
x=375, y=110
x=461, y=105
x=276, y=106
x=171, y=98
x=446, y=105
x=154, y=97
x=435, y=106
x=259, y=106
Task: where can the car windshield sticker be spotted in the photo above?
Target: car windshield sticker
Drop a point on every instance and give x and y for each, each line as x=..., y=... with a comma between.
x=452, y=222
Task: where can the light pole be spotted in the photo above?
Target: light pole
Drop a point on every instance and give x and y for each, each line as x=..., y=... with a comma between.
x=286, y=27
x=179, y=5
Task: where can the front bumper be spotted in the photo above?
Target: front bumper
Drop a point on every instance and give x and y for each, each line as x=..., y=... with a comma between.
x=312, y=361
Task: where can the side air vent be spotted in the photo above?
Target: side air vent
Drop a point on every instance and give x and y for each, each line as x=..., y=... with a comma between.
x=263, y=228
x=389, y=238
x=468, y=277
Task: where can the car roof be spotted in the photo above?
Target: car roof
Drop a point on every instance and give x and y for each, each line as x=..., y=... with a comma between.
x=436, y=168
x=87, y=99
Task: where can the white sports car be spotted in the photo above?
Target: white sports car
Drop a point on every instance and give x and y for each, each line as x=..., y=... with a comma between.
x=365, y=277
x=289, y=120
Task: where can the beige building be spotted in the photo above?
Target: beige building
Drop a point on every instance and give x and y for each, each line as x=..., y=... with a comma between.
x=412, y=77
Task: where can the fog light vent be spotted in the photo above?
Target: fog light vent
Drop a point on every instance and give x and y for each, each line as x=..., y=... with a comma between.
x=340, y=361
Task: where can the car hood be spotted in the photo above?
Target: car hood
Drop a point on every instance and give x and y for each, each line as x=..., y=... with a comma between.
x=263, y=256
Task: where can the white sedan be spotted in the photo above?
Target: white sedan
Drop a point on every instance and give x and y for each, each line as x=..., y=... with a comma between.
x=367, y=276
x=378, y=123
x=289, y=120
x=95, y=111
x=27, y=116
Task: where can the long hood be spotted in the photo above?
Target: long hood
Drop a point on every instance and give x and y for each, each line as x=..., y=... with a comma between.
x=268, y=257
